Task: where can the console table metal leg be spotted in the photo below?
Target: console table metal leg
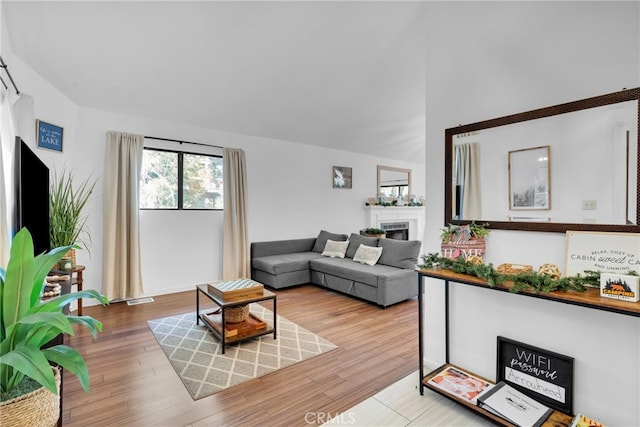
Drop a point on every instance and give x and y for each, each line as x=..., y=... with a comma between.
x=420, y=341
x=446, y=320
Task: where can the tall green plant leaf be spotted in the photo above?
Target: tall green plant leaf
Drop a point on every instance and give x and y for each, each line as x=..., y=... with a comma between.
x=16, y=299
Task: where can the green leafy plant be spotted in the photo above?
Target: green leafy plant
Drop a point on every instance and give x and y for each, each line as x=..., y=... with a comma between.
x=66, y=206
x=528, y=282
x=475, y=230
x=374, y=230
x=27, y=323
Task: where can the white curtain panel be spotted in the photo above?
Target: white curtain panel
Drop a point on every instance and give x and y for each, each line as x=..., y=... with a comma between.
x=7, y=136
x=468, y=177
x=16, y=119
x=122, y=273
x=235, y=258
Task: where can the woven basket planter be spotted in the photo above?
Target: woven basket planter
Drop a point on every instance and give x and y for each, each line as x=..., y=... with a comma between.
x=236, y=314
x=38, y=408
x=71, y=253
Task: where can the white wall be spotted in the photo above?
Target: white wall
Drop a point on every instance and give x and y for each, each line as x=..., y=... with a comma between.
x=290, y=189
x=487, y=60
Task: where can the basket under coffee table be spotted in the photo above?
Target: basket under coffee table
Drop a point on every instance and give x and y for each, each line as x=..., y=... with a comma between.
x=215, y=319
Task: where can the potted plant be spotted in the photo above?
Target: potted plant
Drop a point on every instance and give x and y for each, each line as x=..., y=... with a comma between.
x=67, y=219
x=463, y=240
x=374, y=232
x=27, y=325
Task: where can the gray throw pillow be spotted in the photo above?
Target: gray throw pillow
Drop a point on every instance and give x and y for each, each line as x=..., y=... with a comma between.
x=355, y=240
x=321, y=240
x=399, y=253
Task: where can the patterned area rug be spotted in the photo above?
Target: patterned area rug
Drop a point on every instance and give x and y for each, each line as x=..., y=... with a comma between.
x=195, y=353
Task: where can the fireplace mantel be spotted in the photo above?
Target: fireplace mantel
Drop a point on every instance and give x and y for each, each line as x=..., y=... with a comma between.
x=414, y=215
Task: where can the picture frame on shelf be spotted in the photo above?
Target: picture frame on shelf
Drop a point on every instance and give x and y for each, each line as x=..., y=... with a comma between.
x=49, y=136
x=542, y=374
x=530, y=179
x=605, y=252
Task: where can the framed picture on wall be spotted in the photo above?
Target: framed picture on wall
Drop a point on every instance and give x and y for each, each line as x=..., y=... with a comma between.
x=342, y=177
x=530, y=179
x=49, y=136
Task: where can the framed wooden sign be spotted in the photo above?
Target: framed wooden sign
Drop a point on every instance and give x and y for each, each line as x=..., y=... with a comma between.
x=604, y=252
x=541, y=374
x=49, y=136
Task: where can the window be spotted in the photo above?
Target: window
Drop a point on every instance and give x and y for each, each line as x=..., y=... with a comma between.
x=179, y=180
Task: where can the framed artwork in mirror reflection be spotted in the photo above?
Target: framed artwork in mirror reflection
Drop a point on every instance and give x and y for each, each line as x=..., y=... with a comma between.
x=530, y=179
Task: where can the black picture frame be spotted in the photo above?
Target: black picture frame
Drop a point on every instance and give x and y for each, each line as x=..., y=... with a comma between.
x=49, y=136
x=543, y=375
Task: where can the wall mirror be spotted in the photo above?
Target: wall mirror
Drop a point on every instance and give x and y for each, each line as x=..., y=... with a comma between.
x=393, y=182
x=577, y=168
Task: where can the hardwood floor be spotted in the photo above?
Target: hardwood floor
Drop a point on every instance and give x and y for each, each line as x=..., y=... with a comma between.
x=133, y=384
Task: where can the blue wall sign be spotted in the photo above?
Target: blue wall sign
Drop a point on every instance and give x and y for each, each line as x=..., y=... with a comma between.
x=49, y=136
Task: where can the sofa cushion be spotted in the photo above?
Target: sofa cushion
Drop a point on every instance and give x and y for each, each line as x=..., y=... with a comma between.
x=399, y=253
x=285, y=263
x=335, y=249
x=367, y=255
x=355, y=240
x=321, y=240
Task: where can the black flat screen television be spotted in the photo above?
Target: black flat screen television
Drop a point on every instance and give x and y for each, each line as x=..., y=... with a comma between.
x=32, y=196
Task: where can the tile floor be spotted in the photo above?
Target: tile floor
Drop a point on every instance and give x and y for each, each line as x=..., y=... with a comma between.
x=402, y=405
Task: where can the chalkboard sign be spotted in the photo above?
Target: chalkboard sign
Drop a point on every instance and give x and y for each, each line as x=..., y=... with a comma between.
x=49, y=136
x=541, y=374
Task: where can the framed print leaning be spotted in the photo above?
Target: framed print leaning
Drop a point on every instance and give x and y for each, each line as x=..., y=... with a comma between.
x=530, y=178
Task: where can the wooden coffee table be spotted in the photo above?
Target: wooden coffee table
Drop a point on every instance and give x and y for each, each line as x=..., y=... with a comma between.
x=214, y=319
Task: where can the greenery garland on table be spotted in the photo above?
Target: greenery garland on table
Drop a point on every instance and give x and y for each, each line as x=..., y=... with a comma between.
x=530, y=281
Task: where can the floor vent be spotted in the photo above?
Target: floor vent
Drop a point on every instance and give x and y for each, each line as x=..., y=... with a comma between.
x=139, y=301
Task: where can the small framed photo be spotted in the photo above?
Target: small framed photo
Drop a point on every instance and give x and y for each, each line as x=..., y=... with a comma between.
x=530, y=179
x=342, y=177
x=620, y=286
x=49, y=136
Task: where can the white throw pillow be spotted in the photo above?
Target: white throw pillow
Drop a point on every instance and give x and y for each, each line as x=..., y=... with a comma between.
x=335, y=249
x=367, y=254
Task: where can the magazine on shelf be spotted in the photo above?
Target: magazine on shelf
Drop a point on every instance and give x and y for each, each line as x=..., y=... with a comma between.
x=460, y=383
x=582, y=420
x=514, y=406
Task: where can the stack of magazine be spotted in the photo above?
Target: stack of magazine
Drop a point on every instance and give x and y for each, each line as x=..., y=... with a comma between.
x=461, y=384
x=500, y=399
x=514, y=406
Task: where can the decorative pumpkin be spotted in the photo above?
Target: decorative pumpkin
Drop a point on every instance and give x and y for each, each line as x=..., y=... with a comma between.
x=551, y=270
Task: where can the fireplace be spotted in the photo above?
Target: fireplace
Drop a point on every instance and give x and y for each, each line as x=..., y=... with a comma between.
x=398, y=222
x=396, y=230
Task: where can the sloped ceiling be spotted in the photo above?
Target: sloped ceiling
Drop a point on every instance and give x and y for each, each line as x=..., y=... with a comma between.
x=345, y=75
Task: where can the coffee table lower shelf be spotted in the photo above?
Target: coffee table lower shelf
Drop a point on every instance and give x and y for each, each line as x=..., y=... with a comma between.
x=250, y=328
x=556, y=419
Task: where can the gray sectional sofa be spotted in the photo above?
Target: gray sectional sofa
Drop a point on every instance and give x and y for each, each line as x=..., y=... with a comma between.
x=283, y=263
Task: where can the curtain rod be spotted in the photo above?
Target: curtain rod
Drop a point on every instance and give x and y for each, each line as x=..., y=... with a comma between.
x=6, y=70
x=182, y=142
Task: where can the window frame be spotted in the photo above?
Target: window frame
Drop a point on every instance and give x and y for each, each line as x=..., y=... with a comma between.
x=180, y=181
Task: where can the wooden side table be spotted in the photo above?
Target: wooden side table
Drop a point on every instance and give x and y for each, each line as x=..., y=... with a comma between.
x=77, y=280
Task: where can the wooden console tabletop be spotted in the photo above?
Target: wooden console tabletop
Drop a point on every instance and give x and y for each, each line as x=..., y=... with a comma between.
x=590, y=298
